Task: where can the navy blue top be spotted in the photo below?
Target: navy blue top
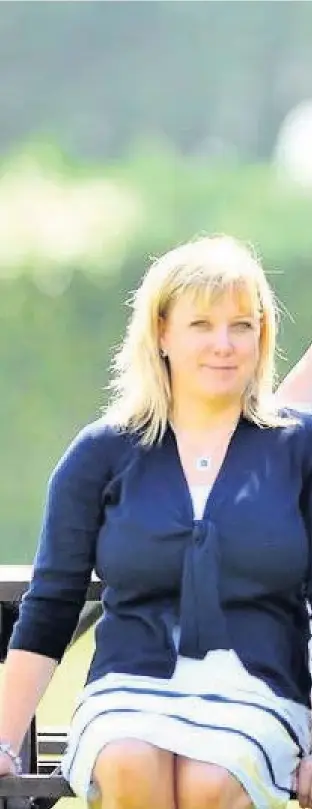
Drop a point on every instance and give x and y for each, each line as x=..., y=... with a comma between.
x=238, y=578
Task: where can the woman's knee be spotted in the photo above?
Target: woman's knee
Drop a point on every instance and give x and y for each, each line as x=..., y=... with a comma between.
x=132, y=774
x=208, y=786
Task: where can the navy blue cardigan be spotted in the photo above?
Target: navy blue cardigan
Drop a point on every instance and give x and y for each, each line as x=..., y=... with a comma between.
x=238, y=578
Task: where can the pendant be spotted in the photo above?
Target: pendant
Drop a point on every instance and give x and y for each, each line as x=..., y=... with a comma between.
x=203, y=463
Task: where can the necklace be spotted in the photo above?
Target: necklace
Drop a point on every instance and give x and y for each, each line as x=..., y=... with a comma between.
x=203, y=462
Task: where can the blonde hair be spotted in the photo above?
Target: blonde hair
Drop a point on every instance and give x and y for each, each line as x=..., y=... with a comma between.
x=206, y=268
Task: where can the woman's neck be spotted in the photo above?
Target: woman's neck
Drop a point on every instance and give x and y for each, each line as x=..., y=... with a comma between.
x=190, y=417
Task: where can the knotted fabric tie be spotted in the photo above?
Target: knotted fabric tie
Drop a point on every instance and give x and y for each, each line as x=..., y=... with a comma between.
x=202, y=620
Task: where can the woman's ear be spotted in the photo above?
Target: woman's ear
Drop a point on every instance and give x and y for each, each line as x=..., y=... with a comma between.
x=162, y=336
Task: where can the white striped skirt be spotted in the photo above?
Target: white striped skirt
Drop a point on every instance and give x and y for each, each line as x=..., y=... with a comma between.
x=211, y=710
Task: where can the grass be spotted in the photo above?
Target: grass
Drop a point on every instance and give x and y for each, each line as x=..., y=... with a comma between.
x=58, y=704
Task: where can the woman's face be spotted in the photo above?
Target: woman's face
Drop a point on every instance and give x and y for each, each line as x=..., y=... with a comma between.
x=213, y=353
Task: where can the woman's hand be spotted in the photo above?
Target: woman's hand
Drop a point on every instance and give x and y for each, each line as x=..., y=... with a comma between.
x=7, y=766
x=303, y=783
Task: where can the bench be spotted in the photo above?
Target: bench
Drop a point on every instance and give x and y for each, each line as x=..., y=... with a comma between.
x=41, y=785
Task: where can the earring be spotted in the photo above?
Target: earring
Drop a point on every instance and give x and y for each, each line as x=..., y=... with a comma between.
x=163, y=354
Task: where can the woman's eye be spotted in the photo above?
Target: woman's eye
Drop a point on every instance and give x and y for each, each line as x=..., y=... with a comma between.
x=239, y=324
x=201, y=324
x=242, y=325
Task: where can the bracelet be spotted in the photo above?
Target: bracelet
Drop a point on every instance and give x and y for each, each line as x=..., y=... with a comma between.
x=5, y=747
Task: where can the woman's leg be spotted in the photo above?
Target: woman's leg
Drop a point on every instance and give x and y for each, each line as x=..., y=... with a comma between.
x=207, y=786
x=135, y=775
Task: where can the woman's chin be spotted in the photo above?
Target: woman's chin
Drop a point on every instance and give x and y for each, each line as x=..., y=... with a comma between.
x=222, y=394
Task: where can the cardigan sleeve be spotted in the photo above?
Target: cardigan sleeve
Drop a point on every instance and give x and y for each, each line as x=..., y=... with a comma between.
x=66, y=551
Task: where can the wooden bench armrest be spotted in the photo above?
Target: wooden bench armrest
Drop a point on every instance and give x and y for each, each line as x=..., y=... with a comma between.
x=35, y=786
x=14, y=581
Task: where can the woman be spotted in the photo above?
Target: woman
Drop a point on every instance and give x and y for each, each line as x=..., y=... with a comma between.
x=192, y=498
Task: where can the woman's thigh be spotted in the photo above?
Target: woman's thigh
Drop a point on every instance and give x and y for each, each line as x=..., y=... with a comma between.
x=135, y=775
x=208, y=786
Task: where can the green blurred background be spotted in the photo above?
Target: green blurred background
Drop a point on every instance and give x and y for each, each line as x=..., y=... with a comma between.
x=127, y=127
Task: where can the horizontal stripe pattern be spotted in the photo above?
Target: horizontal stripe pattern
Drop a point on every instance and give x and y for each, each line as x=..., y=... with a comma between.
x=217, y=698
x=240, y=725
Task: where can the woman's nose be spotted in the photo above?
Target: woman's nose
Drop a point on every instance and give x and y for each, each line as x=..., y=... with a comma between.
x=222, y=341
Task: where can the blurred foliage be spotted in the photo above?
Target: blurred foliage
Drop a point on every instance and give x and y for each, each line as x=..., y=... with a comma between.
x=56, y=217
x=213, y=78
x=61, y=314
